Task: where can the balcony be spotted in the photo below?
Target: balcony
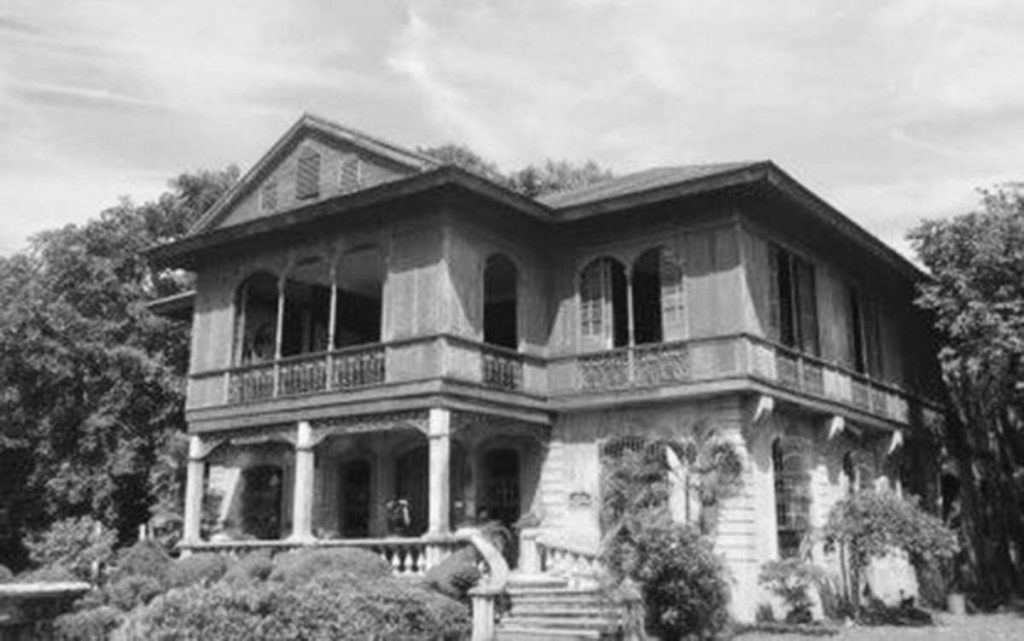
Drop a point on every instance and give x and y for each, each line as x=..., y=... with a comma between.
x=723, y=363
x=370, y=367
x=728, y=363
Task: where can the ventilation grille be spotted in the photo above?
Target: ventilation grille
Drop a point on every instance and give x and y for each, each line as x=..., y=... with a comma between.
x=268, y=197
x=351, y=177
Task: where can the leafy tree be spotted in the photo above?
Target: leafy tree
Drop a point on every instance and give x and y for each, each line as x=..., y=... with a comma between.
x=977, y=298
x=91, y=381
x=532, y=180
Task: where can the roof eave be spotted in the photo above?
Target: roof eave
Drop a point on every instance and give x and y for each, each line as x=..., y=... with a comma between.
x=183, y=252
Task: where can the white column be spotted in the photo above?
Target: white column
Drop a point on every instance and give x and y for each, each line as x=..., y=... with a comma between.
x=302, y=505
x=194, y=490
x=439, y=434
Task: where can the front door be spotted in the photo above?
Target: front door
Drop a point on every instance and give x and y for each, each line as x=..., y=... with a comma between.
x=501, y=486
x=355, y=499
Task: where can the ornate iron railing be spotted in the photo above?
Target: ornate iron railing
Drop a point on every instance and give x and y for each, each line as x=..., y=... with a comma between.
x=502, y=369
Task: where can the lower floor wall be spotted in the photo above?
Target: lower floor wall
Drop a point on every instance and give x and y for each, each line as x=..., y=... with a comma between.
x=794, y=467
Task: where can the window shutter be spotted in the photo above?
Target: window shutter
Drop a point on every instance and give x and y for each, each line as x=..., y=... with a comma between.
x=268, y=196
x=873, y=339
x=351, y=174
x=592, y=294
x=307, y=175
x=808, y=307
x=774, y=304
x=673, y=303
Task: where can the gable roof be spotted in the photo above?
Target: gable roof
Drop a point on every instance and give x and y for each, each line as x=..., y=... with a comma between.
x=306, y=124
x=641, y=181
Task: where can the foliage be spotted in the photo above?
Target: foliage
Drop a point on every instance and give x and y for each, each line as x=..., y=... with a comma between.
x=145, y=558
x=871, y=524
x=251, y=568
x=976, y=298
x=532, y=180
x=74, y=543
x=683, y=583
x=48, y=574
x=709, y=466
x=199, y=568
x=300, y=566
x=331, y=605
x=132, y=590
x=5, y=574
x=456, y=575
x=95, y=624
x=90, y=380
x=792, y=580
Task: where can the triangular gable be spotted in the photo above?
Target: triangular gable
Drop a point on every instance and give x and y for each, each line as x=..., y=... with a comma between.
x=314, y=160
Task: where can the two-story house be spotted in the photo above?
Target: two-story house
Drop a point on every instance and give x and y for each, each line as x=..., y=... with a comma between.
x=369, y=326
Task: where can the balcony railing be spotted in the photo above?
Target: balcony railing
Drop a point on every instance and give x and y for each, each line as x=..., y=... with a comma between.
x=738, y=358
x=345, y=369
x=721, y=358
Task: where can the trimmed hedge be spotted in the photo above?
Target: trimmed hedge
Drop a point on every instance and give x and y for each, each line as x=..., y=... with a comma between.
x=197, y=569
x=251, y=568
x=300, y=566
x=94, y=624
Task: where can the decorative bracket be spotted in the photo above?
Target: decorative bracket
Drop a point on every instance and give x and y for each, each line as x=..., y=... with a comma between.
x=896, y=442
x=765, y=408
x=836, y=426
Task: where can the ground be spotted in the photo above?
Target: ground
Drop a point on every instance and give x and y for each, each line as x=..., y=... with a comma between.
x=982, y=627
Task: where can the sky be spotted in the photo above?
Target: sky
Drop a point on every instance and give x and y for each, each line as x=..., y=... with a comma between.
x=892, y=111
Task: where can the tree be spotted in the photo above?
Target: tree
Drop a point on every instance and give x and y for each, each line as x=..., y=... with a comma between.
x=532, y=180
x=977, y=298
x=91, y=381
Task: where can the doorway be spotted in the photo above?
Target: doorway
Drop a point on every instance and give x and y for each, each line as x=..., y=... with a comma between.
x=356, y=489
x=501, y=492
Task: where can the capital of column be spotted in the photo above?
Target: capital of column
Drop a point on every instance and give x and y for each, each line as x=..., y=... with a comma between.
x=195, y=448
x=439, y=423
x=304, y=436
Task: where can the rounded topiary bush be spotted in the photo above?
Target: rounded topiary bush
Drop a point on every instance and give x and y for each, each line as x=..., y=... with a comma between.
x=299, y=566
x=75, y=544
x=198, y=568
x=332, y=605
x=132, y=590
x=145, y=558
x=48, y=574
x=93, y=624
x=5, y=574
x=251, y=568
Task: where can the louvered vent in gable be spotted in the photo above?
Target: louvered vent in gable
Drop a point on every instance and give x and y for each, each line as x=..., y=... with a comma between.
x=268, y=196
x=307, y=175
x=351, y=177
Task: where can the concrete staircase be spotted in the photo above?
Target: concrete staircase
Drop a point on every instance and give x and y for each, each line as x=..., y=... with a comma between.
x=545, y=607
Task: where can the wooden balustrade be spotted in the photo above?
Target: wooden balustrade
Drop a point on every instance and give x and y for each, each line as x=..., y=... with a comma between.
x=502, y=369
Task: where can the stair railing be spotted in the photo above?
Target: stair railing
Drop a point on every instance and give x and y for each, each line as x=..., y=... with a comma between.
x=484, y=596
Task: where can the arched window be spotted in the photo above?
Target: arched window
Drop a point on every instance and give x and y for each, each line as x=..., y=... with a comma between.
x=307, y=302
x=792, y=495
x=658, y=306
x=500, y=309
x=256, y=318
x=603, y=312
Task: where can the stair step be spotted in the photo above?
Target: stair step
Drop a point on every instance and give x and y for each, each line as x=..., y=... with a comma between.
x=562, y=610
x=559, y=623
x=540, y=634
x=556, y=592
x=522, y=581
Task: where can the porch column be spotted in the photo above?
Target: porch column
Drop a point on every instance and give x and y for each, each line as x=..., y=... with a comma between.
x=302, y=505
x=194, y=490
x=439, y=435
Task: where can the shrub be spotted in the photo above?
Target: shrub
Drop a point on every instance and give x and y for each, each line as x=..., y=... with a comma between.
x=871, y=524
x=299, y=566
x=95, y=624
x=5, y=574
x=454, y=576
x=791, y=580
x=145, y=558
x=49, y=574
x=333, y=605
x=251, y=568
x=132, y=590
x=74, y=543
x=683, y=583
x=198, y=568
